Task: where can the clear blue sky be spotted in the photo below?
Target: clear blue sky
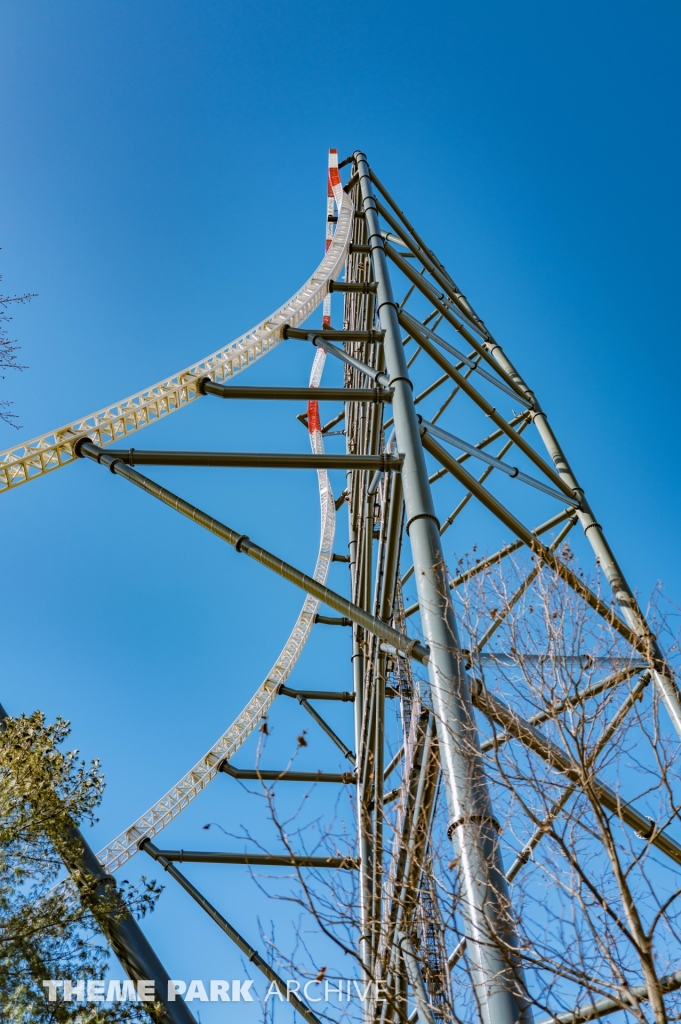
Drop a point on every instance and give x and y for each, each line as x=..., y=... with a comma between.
x=163, y=189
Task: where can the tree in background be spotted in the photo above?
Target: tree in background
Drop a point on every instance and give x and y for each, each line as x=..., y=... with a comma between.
x=8, y=350
x=48, y=932
x=582, y=766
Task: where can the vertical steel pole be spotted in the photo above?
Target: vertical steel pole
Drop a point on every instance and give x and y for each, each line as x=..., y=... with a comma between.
x=355, y=436
x=496, y=973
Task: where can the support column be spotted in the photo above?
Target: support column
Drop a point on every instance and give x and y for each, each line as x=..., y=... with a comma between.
x=496, y=972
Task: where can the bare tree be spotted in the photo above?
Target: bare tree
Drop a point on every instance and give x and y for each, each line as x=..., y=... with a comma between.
x=9, y=349
x=586, y=789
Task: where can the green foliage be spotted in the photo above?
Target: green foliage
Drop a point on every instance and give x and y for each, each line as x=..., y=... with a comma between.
x=46, y=932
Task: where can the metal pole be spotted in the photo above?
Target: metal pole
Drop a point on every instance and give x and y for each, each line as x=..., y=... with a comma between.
x=243, y=544
x=256, y=460
x=120, y=928
x=245, y=947
x=414, y=972
x=257, y=859
x=267, y=775
x=496, y=973
x=629, y=997
x=296, y=394
x=520, y=729
x=304, y=703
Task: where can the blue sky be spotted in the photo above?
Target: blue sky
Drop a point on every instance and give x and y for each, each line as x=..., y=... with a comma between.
x=163, y=189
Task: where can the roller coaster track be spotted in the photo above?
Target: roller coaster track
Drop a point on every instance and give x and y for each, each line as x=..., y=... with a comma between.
x=54, y=450
x=51, y=451
x=452, y=725
x=126, y=845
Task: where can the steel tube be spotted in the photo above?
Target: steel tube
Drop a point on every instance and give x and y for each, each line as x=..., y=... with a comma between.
x=485, y=896
x=305, y=334
x=257, y=460
x=491, y=460
x=244, y=545
x=208, y=387
x=579, y=698
x=317, y=694
x=630, y=997
x=462, y=381
x=523, y=421
x=508, y=549
x=521, y=730
x=362, y=287
x=257, y=859
x=535, y=545
x=379, y=378
x=125, y=936
x=414, y=972
x=471, y=362
x=393, y=763
x=327, y=729
x=227, y=928
x=268, y=775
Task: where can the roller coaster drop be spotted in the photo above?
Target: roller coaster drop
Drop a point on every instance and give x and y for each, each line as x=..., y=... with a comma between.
x=391, y=508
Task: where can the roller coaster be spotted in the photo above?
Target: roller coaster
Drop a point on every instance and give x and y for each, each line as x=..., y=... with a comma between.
x=432, y=903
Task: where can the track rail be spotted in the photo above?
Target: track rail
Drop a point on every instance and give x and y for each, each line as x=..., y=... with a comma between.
x=33, y=459
x=161, y=813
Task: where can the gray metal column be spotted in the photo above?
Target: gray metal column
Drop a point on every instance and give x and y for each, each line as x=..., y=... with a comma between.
x=496, y=973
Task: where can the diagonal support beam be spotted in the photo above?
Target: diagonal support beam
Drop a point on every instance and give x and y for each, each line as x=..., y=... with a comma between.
x=245, y=546
x=530, y=737
x=100, y=894
x=414, y=972
x=324, y=725
x=640, y=643
x=543, y=827
x=629, y=997
x=593, y=690
x=513, y=600
x=466, y=360
x=489, y=410
x=491, y=460
x=245, y=947
x=379, y=378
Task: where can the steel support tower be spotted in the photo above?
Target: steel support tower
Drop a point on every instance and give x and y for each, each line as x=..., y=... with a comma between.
x=436, y=930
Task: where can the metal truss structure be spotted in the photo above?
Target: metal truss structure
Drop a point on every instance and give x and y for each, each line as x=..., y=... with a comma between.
x=431, y=658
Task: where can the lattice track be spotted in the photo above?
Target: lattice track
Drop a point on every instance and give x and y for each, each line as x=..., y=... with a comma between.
x=55, y=449
x=521, y=680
